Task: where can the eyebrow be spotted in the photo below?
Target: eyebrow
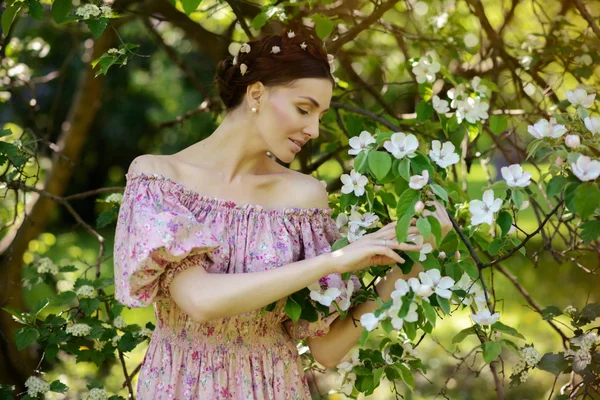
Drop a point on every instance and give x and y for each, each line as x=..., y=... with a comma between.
x=316, y=103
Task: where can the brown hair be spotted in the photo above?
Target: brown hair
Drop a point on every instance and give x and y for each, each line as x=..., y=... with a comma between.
x=300, y=56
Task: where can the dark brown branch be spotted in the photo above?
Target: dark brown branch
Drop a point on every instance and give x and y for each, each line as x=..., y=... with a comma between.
x=587, y=16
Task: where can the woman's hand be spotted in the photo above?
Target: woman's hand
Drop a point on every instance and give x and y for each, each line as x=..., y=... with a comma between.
x=370, y=250
x=441, y=215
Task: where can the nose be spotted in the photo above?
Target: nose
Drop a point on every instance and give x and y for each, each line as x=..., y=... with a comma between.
x=312, y=129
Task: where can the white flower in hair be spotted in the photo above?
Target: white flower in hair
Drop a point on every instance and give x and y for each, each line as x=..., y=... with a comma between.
x=245, y=48
x=243, y=69
x=303, y=45
x=330, y=58
x=291, y=34
x=275, y=49
x=234, y=62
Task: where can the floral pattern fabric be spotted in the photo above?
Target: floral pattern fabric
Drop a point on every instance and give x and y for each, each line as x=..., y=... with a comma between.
x=165, y=227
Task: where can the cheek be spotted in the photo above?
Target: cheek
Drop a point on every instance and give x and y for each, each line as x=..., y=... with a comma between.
x=283, y=114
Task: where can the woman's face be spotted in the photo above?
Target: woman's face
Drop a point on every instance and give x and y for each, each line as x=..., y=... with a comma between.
x=292, y=113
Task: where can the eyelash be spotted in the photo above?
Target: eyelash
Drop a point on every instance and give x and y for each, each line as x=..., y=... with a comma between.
x=304, y=112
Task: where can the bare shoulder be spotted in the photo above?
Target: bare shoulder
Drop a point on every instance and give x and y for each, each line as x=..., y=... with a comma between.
x=145, y=163
x=308, y=191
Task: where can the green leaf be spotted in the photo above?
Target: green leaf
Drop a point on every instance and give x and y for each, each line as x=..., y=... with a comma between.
x=8, y=16
x=89, y=306
x=410, y=329
x=36, y=11
x=360, y=162
x=590, y=230
x=517, y=197
x=587, y=199
x=460, y=336
x=25, y=336
x=407, y=376
x=387, y=326
x=51, y=351
x=504, y=221
x=58, y=387
x=405, y=211
x=553, y=363
x=189, y=6
x=424, y=111
x=323, y=26
x=404, y=168
x=495, y=246
x=424, y=227
x=555, y=185
x=380, y=163
x=439, y=191
x=429, y=312
x=259, y=21
x=570, y=195
x=499, y=326
x=551, y=312
x=591, y=311
x=128, y=342
x=436, y=229
x=97, y=26
x=419, y=163
x=63, y=298
x=292, y=309
x=444, y=303
x=498, y=124
x=363, y=337
x=491, y=351
x=471, y=270
x=60, y=10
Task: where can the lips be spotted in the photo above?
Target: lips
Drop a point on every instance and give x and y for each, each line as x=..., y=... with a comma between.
x=296, y=145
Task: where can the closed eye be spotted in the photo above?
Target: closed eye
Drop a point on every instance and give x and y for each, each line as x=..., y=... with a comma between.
x=304, y=112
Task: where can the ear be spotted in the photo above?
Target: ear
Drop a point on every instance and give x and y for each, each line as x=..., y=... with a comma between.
x=254, y=93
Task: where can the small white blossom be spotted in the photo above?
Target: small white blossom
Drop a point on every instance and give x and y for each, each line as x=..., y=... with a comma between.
x=417, y=182
x=355, y=182
x=97, y=394
x=325, y=297
x=425, y=69
x=586, y=169
x=349, y=362
x=425, y=249
x=98, y=345
x=440, y=106
x=586, y=341
x=243, y=69
x=401, y=145
x=440, y=20
x=78, y=329
x=593, y=124
x=478, y=87
x=515, y=177
x=291, y=34
x=245, y=48
x=234, y=61
x=145, y=332
x=581, y=358
x=115, y=340
x=579, y=97
x=401, y=287
x=443, y=155
x=530, y=355
x=303, y=45
x=88, y=11
x=419, y=207
x=476, y=109
x=439, y=284
x=483, y=211
x=347, y=383
x=275, y=49
x=484, y=317
x=106, y=11
x=421, y=289
x=47, y=266
x=569, y=310
x=360, y=143
x=572, y=141
x=457, y=95
x=544, y=128
x=119, y=322
x=370, y=321
x=113, y=51
x=36, y=386
x=86, y=291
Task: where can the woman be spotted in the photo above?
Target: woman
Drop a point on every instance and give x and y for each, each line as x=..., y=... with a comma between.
x=213, y=234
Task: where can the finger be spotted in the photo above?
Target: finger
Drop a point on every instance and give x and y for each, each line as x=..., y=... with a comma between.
x=409, y=247
x=413, y=230
x=391, y=254
x=413, y=221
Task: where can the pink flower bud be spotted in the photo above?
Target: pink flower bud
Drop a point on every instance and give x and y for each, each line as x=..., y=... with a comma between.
x=559, y=161
x=419, y=207
x=442, y=255
x=572, y=141
x=457, y=255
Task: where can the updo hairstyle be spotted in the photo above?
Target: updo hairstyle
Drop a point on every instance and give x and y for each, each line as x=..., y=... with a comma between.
x=273, y=60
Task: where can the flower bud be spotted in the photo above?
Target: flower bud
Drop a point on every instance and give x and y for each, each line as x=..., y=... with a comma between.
x=442, y=255
x=572, y=141
x=559, y=161
x=457, y=255
x=419, y=207
x=524, y=205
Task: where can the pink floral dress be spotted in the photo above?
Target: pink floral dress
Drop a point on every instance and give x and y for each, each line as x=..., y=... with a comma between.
x=164, y=227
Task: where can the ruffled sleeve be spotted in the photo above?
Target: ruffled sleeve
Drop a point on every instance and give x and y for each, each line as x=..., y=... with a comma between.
x=156, y=237
x=318, y=232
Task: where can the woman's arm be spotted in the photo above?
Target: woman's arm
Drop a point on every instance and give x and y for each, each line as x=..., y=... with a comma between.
x=332, y=347
x=205, y=296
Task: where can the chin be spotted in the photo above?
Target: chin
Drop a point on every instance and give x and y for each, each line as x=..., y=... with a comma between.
x=285, y=157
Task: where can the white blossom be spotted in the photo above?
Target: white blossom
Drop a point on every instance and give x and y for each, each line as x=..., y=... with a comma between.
x=291, y=34
x=443, y=155
x=36, y=386
x=421, y=289
x=243, y=69
x=145, y=332
x=581, y=358
x=530, y=355
x=586, y=169
x=47, y=266
x=419, y=207
x=425, y=249
x=457, y=95
x=86, y=291
x=360, y=142
x=88, y=11
x=569, y=310
x=78, y=329
x=417, y=182
x=370, y=321
x=97, y=394
x=476, y=109
x=98, y=345
x=478, y=87
x=579, y=97
x=484, y=317
x=275, y=49
x=348, y=383
x=425, y=69
x=440, y=106
x=483, y=211
x=119, y=322
x=346, y=296
x=115, y=340
x=572, y=141
x=106, y=11
x=355, y=182
x=544, y=128
x=593, y=124
x=440, y=20
x=303, y=45
x=586, y=341
x=349, y=362
x=584, y=59
x=401, y=287
x=439, y=284
x=321, y=296
x=515, y=177
x=402, y=145
x=245, y=48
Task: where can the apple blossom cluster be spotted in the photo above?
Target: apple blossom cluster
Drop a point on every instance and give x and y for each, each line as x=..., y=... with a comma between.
x=581, y=356
x=529, y=358
x=332, y=288
x=88, y=11
x=345, y=368
x=86, y=292
x=47, y=266
x=473, y=292
x=355, y=226
x=36, y=386
x=78, y=330
x=96, y=394
x=468, y=106
x=119, y=322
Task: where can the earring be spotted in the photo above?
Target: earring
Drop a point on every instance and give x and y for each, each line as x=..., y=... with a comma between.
x=254, y=109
